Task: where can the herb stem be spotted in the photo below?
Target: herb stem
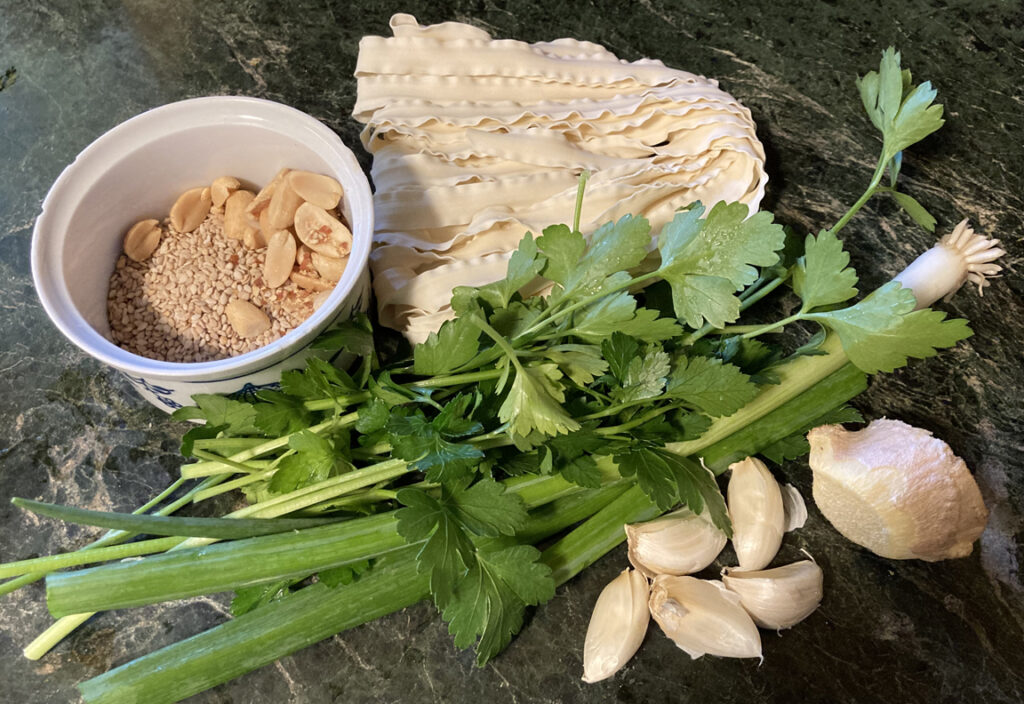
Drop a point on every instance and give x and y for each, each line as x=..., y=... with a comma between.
x=771, y=327
x=876, y=179
x=584, y=302
x=322, y=491
x=764, y=291
x=456, y=379
x=209, y=468
x=327, y=404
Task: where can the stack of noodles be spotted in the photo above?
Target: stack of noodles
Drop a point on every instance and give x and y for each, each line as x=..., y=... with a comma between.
x=477, y=141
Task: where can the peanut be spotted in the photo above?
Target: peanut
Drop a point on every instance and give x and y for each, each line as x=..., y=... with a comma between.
x=247, y=320
x=322, y=232
x=277, y=267
x=142, y=239
x=321, y=191
x=191, y=208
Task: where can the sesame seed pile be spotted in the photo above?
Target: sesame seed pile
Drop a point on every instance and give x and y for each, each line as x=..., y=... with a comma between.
x=171, y=306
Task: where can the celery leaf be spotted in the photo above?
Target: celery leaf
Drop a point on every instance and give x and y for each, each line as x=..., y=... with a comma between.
x=563, y=249
x=882, y=331
x=822, y=276
x=705, y=261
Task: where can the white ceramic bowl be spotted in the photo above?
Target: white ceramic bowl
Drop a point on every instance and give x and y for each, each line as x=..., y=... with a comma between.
x=136, y=171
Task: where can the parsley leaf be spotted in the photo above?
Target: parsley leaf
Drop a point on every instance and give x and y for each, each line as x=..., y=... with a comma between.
x=248, y=599
x=490, y=601
x=713, y=387
x=644, y=377
x=354, y=336
x=524, y=266
x=314, y=460
x=668, y=478
x=570, y=455
x=533, y=402
x=618, y=312
x=880, y=332
x=449, y=348
x=198, y=432
x=902, y=112
x=280, y=414
x=618, y=351
x=563, y=249
x=488, y=510
x=614, y=247
x=427, y=445
x=235, y=417
x=581, y=363
x=447, y=550
x=705, y=261
x=915, y=210
x=343, y=574
x=822, y=277
x=373, y=416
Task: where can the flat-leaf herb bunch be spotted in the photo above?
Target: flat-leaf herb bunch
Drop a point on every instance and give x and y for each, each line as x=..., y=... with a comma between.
x=615, y=396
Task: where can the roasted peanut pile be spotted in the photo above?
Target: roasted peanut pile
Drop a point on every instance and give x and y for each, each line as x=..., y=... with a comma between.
x=229, y=271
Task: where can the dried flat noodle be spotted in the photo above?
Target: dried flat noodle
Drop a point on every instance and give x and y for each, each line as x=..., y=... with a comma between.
x=477, y=141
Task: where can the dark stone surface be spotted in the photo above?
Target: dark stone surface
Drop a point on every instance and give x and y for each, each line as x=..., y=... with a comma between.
x=73, y=432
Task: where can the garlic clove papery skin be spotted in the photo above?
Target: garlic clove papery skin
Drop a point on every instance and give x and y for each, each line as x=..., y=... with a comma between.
x=780, y=597
x=758, y=516
x=794, y=507
x=617, y=626
x=896, y=490
x=678, y=543
x=703, y=618
x=960, y=256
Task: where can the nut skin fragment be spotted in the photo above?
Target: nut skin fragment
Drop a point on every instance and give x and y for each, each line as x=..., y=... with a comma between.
x=322, y=191
x=247, y=320
x=222, y=188
x=235, y=222
x=896, y=490
x=277, y=267
x=191, y=208
x=282, y=207
x=142, y=240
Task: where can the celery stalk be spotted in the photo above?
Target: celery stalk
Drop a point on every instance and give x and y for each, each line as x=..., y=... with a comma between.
x=259, y=637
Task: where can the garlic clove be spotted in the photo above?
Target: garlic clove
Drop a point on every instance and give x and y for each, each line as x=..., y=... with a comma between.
x=703, y=618
x=778, y=598
x=758, y=517
x=617, y=626
x=794, y=507
x=896, y=490
x=678, y=543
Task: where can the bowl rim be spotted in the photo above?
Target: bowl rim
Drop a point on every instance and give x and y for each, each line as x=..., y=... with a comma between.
x=126, y=137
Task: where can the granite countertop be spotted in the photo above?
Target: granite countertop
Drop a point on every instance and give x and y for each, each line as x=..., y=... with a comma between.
x=74, y=432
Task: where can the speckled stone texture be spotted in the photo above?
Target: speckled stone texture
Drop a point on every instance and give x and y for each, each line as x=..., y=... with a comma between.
x=74, y=432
